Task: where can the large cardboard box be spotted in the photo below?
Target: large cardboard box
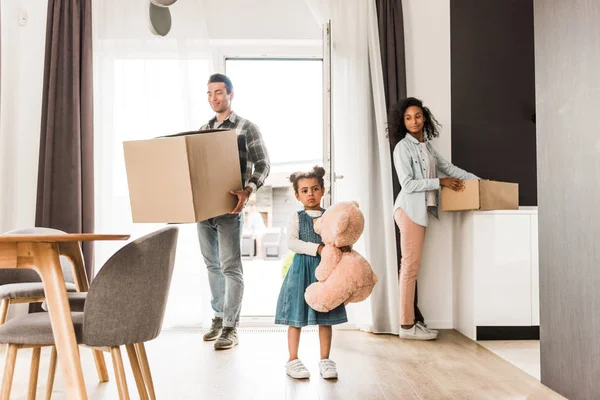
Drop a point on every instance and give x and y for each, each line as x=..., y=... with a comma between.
x=182, y=178
x=482, y=195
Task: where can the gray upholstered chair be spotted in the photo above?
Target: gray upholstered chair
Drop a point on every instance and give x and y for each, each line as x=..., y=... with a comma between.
x=25, y=285
x=124, y=306
x=19, y=286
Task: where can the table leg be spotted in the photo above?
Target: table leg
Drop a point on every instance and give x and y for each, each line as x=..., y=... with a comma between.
x=47, y=263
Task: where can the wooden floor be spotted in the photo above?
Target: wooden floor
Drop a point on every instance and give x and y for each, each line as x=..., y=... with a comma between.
x=525, y=354
x=370, y=367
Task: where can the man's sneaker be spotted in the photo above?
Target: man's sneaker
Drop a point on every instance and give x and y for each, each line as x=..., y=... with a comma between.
x=328, y=369
x=417, y=332
x=215, y=330
x=228, y=339
x=424, y=325
x=296, y=369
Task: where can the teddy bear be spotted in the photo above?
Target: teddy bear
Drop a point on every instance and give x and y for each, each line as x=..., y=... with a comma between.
x=343, y=275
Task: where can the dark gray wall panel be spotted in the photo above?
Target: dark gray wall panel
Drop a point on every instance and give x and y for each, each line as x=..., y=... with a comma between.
x=567, y=64
x=493, y=91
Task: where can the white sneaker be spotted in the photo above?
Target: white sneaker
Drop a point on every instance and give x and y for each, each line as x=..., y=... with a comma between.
x=328, y=369
x=424, y=325
x=417, y=332
x=296, y=369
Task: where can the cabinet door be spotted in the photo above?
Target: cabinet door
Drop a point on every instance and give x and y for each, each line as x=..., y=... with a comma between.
x=535, y=273
x=502, y=270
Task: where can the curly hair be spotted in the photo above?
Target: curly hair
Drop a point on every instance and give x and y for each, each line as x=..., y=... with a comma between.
x=317, y=172
x=396, y=126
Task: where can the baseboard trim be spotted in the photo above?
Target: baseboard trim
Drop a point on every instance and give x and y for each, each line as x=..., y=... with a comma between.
x=439, y=324
x=508, y=333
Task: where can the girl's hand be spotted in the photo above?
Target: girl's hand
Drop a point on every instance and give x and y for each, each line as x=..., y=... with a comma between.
x=455, y=184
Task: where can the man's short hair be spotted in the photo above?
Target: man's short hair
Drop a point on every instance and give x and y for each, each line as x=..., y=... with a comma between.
x=215, y=78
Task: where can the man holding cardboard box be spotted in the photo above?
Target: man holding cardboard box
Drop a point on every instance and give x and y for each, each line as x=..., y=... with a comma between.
x=220, y=237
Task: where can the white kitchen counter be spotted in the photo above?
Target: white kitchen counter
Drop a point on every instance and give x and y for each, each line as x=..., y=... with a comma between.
x=495, y=277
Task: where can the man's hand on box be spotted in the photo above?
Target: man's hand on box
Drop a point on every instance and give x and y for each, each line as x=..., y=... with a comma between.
x=242, y=196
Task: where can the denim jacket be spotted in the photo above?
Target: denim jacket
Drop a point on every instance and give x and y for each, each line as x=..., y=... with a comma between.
x=411, y=171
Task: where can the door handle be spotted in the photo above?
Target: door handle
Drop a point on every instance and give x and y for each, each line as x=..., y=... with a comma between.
x=338, y=177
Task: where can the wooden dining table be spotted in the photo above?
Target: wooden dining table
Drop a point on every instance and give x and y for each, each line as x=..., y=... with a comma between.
x=41, y=253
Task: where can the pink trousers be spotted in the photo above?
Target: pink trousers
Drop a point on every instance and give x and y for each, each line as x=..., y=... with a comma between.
x=412, y=237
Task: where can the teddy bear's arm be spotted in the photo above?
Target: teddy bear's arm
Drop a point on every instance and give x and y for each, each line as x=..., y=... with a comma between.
x=330, y=257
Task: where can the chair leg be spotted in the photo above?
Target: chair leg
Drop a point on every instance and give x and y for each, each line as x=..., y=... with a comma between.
x=4, y=310
x=145, y=366
x=51, y=373
x=34, y=372
x=137, y=373
x=3, y=315
x=100, y=365
x=117, y=360
x=9, y=370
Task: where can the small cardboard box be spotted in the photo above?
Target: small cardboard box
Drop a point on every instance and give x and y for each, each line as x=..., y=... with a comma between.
x=183, y=178
x=482, y=195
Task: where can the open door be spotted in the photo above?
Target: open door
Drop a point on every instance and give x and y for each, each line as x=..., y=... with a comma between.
x=328, y=145
x=329, y=197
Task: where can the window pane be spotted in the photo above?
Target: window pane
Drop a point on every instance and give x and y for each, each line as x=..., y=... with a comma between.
x=284, y=98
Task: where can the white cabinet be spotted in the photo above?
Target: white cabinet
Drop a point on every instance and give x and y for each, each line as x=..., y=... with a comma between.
x=495, y=270
x=535, y=273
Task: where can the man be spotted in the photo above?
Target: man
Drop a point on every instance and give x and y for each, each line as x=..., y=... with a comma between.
x=220, y=237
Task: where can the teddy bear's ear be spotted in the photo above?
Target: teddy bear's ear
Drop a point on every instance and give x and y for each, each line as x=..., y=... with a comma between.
x=355, y=203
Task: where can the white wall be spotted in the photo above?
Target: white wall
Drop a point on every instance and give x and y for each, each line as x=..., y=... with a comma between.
x=22, y=77
x=427, y=41
x=261, y=28
x=261, y=19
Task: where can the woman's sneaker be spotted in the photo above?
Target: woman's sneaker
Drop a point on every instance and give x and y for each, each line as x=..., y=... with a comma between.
x=417, y=332
x=328, y=369
x=296, y=369
x=424, y=325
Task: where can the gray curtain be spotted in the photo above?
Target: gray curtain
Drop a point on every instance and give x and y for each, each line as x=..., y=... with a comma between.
x=0, y=49
x=65, y=193
x=391, y=40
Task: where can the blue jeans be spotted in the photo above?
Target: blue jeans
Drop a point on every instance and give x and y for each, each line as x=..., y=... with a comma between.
x=220, y=243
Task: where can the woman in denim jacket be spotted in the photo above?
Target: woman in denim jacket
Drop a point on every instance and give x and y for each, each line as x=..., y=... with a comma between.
x=417, y=164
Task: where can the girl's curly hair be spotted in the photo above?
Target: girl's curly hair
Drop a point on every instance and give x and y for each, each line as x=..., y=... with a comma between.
x=397, y=128
x=317, y=172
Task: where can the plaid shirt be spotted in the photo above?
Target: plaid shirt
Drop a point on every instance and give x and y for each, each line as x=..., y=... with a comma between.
x=254, y=159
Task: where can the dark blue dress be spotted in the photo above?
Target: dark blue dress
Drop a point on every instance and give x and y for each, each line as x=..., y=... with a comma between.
x=291, y=307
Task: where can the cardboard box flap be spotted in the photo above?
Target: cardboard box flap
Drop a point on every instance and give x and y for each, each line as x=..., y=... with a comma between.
x=205, y=155
x=198, y=132
x=168, y=197
x=498, y=195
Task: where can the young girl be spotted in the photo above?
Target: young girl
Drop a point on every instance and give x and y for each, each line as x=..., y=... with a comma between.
x=292, y=309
